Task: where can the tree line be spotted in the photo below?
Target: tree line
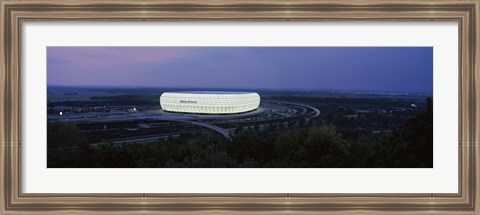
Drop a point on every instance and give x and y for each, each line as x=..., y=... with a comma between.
x=315, y=147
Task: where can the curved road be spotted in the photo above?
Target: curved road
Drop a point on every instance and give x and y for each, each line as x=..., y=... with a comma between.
x=185, y=119
x=222, y=131
x=315, y=110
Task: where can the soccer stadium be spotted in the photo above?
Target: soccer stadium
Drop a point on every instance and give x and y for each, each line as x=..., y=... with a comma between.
x=209, y=102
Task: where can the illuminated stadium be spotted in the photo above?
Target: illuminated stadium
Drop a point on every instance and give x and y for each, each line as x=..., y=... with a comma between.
x=209, y=102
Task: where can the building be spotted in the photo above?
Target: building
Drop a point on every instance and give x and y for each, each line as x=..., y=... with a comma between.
x=209, y=102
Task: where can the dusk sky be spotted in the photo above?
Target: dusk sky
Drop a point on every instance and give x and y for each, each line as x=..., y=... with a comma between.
x=404, y=69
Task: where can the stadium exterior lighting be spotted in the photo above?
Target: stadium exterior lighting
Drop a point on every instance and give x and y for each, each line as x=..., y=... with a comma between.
x=209, y=102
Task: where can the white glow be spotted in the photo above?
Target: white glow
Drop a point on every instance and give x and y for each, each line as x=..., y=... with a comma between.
x=209, y=102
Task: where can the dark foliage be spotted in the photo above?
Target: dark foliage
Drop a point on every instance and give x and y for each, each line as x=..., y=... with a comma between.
x=315, y=147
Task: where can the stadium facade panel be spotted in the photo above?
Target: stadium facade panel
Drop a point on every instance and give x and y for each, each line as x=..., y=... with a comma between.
x=209, y=102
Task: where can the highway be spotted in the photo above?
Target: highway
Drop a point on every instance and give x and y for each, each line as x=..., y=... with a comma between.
x=316, y=112
x=222, y=131
x=198, y=120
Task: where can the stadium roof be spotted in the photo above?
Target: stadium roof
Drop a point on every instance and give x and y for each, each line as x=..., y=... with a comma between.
x=210, y=92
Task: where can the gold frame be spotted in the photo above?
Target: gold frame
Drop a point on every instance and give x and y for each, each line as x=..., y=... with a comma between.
x=14, y=12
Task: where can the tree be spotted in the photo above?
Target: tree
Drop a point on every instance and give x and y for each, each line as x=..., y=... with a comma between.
x=417, y=135
x=325, y=147
x=364, y=152
x=64, y=142
x=64, y=135
x=287, y=142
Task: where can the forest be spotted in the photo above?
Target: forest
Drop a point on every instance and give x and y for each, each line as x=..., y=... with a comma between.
x=320, y=146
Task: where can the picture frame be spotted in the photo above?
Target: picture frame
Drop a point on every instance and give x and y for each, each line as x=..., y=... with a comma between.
x=14, y=13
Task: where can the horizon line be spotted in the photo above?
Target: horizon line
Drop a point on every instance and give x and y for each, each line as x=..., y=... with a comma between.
x=241, y=88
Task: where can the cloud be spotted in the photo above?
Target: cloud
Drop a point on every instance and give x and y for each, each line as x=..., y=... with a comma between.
x=112, y=57
x=362, y=68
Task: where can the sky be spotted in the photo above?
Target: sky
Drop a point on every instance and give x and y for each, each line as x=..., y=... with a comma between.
x=388, y=69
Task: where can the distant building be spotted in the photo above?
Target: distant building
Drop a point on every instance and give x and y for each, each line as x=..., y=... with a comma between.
x=209, y=102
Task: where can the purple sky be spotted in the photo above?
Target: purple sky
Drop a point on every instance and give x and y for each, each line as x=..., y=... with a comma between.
x=406, y=69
